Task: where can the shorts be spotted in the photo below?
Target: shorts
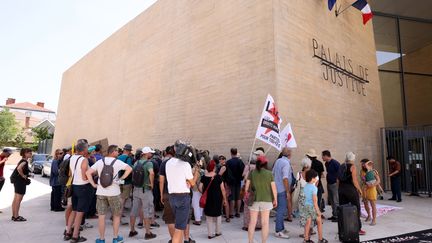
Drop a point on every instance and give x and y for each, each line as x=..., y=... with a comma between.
x=180, y=205
x=20, y=187
x=104, y=203
x=142, y=200
x=261, y=206
x=235, y=192
x=168, y=215
x=82, y=197
x=125, y=191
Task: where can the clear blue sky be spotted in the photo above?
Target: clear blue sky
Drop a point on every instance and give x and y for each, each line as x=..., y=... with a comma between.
x=40, y=39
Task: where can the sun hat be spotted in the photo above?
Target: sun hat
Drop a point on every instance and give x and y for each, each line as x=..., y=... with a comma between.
x=311, y=153
x=147, y=150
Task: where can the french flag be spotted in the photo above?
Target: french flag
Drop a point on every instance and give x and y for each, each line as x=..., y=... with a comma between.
x=331, y=3
x=364, y=7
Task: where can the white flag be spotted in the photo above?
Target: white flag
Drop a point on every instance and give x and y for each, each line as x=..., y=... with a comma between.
x=269, y=125
x=287, y=137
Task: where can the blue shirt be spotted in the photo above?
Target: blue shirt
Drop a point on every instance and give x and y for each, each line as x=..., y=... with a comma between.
x=332, y=171
x=127, y=160
x=282, y=170
x=54, y=173
x=309, y=191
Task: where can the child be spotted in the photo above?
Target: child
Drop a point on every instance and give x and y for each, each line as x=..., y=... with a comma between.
x=311, y=209
x=370, y=174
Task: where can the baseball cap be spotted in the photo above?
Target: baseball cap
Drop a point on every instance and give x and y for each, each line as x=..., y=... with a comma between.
x=147, y=150
x=127, y=147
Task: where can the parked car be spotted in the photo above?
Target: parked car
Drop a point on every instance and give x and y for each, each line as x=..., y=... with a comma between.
x=46, y=169
x=37, y=163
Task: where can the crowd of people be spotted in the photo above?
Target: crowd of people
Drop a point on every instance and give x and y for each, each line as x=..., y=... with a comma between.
x=89, y=184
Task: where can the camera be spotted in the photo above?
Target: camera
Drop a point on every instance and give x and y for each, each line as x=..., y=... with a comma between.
x=185, y=152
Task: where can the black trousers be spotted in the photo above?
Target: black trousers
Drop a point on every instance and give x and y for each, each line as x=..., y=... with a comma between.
x=348, y=194
x=395, y=182
x=56, y=196
x=2, y=181
x=92, y=210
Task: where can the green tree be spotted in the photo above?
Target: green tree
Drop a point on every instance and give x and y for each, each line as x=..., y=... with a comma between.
x=41, y=133
x=8, y=127
x=19, y=140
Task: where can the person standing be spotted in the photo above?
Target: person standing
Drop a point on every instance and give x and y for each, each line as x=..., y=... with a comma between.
x=20, y=179
x=180, y=180
x=395, y=178
x=109, y=197
x=370, y=180
x=246, y=200
x=3, y=158
x=56, y=187
x=216, y=197
x=282, y=174
x=261, y=182
x=81, y=192
x=332, y=167
x=234, y=177
x=126, y=188
x=143, y=195
x=349, y=188
x=318, y=167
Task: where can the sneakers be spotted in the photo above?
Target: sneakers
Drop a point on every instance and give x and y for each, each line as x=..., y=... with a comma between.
x=79, y=239
x=149, y=236
x=282, y=234
x=132, y=233
x=362, y=232
x=119, y=239
x=100, y=241
x=154, y=225
x=87, y=226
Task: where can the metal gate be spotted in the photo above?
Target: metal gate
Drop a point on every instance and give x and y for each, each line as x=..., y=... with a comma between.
x=412, y=147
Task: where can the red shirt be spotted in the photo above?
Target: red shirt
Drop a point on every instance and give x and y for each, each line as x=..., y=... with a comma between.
x=2, y=165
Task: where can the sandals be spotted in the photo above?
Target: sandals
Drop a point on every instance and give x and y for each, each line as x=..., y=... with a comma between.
x=18, y=219
x=323, y=241
x=227, y=220
x=196, y=223
x=308, y=241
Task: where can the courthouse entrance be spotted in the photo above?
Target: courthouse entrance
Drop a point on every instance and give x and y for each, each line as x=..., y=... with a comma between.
x=412, y=146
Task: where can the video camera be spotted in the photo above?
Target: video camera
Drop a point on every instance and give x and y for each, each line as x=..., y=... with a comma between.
x=185, y=152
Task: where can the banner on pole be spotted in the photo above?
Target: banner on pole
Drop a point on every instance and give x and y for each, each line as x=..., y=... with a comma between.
x=269, y=126
x=287, y=137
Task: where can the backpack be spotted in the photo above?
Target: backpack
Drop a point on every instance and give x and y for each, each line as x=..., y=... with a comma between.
x=107, y=175
x=342, y=173
x=138, y=174
x=63, y=171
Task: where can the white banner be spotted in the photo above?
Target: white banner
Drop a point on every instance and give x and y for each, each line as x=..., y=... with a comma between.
x=287, y=137
x=269, y=125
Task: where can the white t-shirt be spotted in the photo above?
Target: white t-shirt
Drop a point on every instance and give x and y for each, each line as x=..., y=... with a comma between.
x=114, y=189
x=77, y=175
x=177, y=172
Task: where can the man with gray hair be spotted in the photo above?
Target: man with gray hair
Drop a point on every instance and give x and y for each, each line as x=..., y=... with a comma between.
x=81, y=192
x=283, y=177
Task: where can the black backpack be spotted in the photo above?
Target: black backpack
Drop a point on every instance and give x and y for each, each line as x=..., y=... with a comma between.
x=63, y=171
x=138, y=174
x=107, y=174
x=343, y=173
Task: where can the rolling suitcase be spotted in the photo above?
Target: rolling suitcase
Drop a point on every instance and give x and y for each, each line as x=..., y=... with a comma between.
x=348, y=227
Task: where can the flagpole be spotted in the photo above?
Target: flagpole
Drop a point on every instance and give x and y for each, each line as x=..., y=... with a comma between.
x=250, y=155
x=269, y=147
x=343, y=10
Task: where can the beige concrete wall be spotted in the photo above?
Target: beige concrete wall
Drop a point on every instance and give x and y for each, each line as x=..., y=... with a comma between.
x=200, y=70
x=197, y=70
x=325, y=115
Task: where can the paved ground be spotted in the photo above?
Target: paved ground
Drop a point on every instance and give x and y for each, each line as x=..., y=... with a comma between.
x=46, y=226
